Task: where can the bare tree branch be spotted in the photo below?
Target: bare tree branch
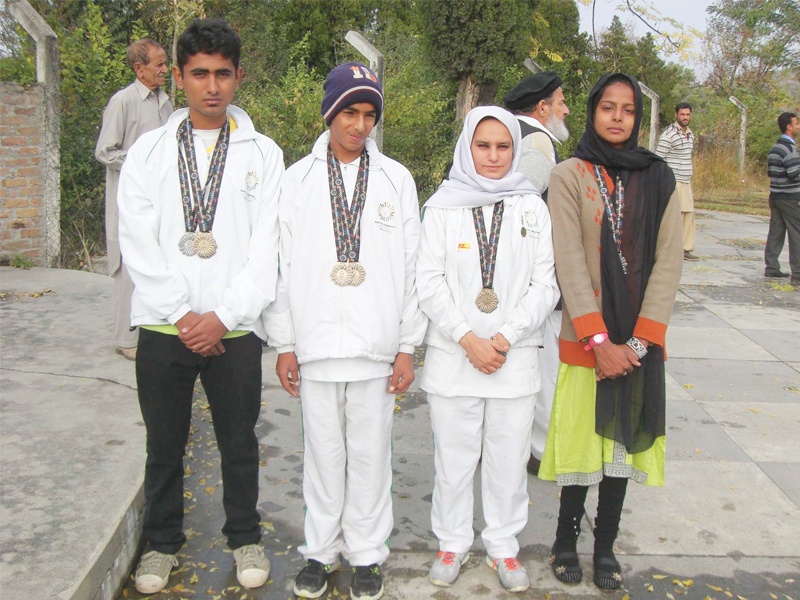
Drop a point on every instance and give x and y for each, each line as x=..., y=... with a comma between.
x=643, y=20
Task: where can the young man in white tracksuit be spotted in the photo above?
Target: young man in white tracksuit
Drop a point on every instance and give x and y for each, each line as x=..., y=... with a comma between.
x=345, y=323
x=198, y=206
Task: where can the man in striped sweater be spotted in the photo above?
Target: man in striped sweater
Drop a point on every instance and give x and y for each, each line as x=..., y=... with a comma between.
x=675, y=146
x=783, y=167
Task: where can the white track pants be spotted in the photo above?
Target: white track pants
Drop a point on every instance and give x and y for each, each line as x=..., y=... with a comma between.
x=548, y=363
x=461, y=427
x=347, y=470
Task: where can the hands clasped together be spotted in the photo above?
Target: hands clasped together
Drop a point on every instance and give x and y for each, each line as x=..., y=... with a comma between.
x=615, y=360
x=486, y=355
x=202, y=334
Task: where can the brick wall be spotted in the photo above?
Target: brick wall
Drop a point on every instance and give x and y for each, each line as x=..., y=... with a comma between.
x=22, y=121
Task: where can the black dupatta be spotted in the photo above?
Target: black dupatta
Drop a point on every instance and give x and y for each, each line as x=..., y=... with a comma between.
x=630, y=410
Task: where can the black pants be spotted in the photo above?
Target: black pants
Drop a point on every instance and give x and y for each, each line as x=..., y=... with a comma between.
x=166, y=372
x=784, y=217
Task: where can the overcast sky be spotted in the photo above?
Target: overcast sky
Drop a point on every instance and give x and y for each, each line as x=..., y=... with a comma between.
x=692, y=13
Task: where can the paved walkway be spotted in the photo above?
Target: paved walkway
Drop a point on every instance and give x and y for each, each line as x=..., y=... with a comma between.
x=727, y=523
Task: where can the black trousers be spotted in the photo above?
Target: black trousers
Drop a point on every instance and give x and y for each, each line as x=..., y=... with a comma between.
x=784, y=218
x=166, y=372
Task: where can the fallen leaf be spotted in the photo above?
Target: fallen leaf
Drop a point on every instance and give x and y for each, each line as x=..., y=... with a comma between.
x=193, y=579
x=688, y=386
x=773, y=596
x=713, y=587
x=659, y=576
x=755, y=411
x=209, y=490
x=670, y=596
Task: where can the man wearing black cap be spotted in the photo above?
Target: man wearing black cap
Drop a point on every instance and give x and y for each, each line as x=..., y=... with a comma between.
x=347, y=318
x=538, y=102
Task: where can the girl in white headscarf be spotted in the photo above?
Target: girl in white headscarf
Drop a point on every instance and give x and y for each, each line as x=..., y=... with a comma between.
x=486, y=281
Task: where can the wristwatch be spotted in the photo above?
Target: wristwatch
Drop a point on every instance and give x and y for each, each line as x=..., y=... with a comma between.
x=637, y=346
x=596, y=340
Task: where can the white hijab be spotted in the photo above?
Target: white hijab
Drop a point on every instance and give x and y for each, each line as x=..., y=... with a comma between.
x=465, y=188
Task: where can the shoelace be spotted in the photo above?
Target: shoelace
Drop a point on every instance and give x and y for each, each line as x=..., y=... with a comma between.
x=249, y=558
x=153, y=559
x=447, y=558
x=511, y=564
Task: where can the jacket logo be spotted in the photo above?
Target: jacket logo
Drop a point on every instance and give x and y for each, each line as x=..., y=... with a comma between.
x=530, y=220
x=463, y=246
x=251, y=181
x=386, y=212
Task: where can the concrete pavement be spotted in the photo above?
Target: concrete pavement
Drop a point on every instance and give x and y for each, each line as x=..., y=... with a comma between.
x=728, y=519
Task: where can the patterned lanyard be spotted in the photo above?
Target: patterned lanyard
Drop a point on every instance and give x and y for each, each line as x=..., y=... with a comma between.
x=488, y=249
x=614, y=210
x=347, y=222
x=201, y=212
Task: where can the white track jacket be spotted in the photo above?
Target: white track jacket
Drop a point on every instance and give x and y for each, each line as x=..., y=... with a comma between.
x=318, y=319
x=239, y=281
x=449, y=275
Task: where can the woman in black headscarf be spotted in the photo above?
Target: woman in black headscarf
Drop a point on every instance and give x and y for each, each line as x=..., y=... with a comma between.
x=617, y=238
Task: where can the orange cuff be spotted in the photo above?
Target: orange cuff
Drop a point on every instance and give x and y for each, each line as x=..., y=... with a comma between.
x=650, y=330
x=589, y=324
x=573, y=353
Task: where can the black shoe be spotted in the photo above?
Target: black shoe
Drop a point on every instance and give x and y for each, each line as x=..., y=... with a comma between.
x=533, y=465
x=771, y=273
x=689, y=256
x=367, y=583
x=312, y=580
x=565, y=565
x=607, y=572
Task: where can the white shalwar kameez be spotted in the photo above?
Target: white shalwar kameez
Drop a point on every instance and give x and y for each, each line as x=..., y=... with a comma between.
x=346, y=339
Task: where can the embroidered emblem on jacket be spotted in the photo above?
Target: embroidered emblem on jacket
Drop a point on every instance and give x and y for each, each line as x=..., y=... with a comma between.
x=386, y=212
x=251, y=181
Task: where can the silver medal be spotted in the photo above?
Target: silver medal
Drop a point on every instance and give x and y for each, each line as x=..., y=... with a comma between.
x=186, y=244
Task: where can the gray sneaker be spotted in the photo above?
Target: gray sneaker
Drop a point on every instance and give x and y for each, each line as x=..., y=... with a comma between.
x=446, y=567
x=152, y=574
x=252, y=567
x=511, y=573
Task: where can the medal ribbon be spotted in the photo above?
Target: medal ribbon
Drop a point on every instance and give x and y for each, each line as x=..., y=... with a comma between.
x=615, y=207
x=200, y=213
x=347, y=222
x=488, y=249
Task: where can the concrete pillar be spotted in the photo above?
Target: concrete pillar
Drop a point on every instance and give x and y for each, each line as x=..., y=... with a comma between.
x=376, y=63
x=742, y=132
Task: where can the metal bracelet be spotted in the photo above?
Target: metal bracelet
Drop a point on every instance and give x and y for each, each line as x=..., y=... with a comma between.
x=637, y=346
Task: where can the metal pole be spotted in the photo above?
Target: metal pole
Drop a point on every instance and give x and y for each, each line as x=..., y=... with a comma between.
x=655, y=106
x=376, y=62
x=742, y=132
x=532, y=66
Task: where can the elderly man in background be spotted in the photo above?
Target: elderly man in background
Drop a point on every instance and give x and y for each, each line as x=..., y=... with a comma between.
x=538, y=103
x=675, y=146
x=134, y=110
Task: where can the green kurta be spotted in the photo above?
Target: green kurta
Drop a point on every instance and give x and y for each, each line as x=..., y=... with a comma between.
x=575, y=454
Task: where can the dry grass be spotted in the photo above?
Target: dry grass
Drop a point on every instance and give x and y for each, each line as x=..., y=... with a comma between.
x=718, y=185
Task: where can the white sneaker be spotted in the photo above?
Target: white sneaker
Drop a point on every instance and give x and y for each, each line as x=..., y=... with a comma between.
x=152, y=574
x=252, y=567
x=446, y=567
x=511, y=573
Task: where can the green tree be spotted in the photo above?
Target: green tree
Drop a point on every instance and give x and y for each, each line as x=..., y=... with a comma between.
x=749, y=40
x=473, y=42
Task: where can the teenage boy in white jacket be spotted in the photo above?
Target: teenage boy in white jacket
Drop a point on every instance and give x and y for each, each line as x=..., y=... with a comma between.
x=346, y=317
x=204, y=262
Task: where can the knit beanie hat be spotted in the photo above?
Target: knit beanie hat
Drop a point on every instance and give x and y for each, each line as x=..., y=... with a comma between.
x=349, y=84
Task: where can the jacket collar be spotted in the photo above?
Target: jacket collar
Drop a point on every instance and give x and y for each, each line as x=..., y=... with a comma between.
x=535, y=123
x=143, y=92
x=320, y=150
x=244, y=126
